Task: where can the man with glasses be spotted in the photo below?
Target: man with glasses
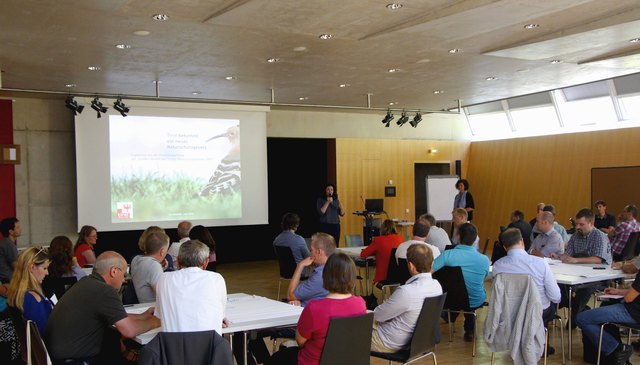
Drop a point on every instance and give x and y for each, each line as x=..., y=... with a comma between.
x=80, y=325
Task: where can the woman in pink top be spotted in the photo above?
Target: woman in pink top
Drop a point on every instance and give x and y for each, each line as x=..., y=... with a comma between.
x=339, y=278
x=83, y=250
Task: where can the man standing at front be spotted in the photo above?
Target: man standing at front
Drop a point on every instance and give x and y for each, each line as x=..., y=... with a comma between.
x=10, y=229
x=475, y=268
x=322, y=246
x=82, y=319
x=518, y=261
x=192, y=299
x=396, y=318
x=587, y=246
x=620, y=235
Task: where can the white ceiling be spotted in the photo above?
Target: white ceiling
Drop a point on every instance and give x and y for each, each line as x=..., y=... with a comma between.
x=45, y=45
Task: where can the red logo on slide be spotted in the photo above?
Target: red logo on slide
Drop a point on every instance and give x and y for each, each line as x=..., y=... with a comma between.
x=125, y=210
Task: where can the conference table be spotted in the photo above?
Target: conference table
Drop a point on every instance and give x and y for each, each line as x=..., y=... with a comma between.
x=354, y=253
x=245, y=313
x=576, y=276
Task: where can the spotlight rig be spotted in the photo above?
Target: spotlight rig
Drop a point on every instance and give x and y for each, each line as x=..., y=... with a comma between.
x=96, y=105
x=72, y=104
x=403, y=119
x=387, y=119
x=417, y=119
x=120, y=107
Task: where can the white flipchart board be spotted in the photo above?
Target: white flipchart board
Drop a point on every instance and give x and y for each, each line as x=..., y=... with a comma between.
x=441, y=190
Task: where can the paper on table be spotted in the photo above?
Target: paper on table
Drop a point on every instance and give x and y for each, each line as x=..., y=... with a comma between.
x=610, y=296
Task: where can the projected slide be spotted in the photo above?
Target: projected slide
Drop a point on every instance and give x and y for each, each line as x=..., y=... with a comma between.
x=165, y=168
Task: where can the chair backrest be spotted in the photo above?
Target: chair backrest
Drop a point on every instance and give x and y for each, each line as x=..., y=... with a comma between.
x=204, y=347
x=403, y=271
x=629, y=250
x=427, y=332
x=486, y=245
x=36, y=351
x=129, y=294
x=393, y=270
x=452, y=282
x=348, y=341
x=353, y=240
x=286, y=261
x=57, y=286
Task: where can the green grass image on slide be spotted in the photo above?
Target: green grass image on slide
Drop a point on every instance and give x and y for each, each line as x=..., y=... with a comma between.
x=162, y=198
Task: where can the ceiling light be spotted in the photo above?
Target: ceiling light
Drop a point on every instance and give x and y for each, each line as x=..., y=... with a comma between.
x=531, y=26
x=393, y=103
x=303, y=98
x=70, y=85
x=387, y=118
x=491, y=78
x=229, y=78
x=94, y=68
x=635, y=40
x=96, y=105
x=555, y=61
x=345, y=85
x=120, y=107
x=454, y=50
x=300, y=49
x=417, y=119
x=160, y=17
x=73, y=105
x=123, y=46
x=325, y=36
x=141, y=32
x=273, y=60
x=392, y=70
x=403, y=119
x=394, y=6
x=196, y=93
x=438, y=92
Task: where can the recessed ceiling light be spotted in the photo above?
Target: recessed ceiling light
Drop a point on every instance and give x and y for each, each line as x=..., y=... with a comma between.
x=345, y=85
x=303, y=98
x=160, y=17
x=157, y=81
x=229, y=78
x=635, y=40
x=273, y=60
x=141, y=32
x=325, y=36
x=94, y=68
x=454, y=50
x=394, y=6
x=393, y=103
x=392, y=70
x=438, y=92
x=531, y=26
x=300, y=49
x=70, y=85
x=555, y=61
x=424, y=60
x=196, y=93
x=491, y=78
x=123, y=46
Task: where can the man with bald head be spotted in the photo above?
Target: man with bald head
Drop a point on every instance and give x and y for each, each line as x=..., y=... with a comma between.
x=79, y=327
x=549, y=240
x=183, y=236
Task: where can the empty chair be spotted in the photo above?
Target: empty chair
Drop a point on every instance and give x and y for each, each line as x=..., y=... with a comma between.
x=393, y=275
x=348, y=341
x=57, y=286
x=425, y=336
x=36, y=350
x=630, y=248
x=286, y=263
x=353, y=240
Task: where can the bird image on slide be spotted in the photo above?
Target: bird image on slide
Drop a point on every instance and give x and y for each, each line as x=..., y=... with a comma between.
x=226, y=177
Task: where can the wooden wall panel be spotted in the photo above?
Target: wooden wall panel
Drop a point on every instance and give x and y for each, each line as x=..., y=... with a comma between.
x=519, y=173
x=364, y=167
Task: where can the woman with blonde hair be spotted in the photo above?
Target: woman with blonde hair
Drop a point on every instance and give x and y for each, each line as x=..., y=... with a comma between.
x=83, y=250
x=25, y=290
x=167, y=263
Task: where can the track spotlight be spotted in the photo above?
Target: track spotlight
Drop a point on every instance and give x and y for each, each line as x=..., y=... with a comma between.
x=417, y=119
x=96, y=105
x=403, y=119
x=73, y=105
x=120, y=107
x=387, y=118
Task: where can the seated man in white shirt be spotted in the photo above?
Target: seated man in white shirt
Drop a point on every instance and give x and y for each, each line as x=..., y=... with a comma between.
x=396, y=318
x=147, y=269
x=183, y=236
x=437, y=236
x=420, y=233
x=192, y=299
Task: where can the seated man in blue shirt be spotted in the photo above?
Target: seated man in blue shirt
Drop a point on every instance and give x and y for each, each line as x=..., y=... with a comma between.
x=301, y=292
x=396, y=318
x=518, y=261
x=475, y=268
x=289, y=238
